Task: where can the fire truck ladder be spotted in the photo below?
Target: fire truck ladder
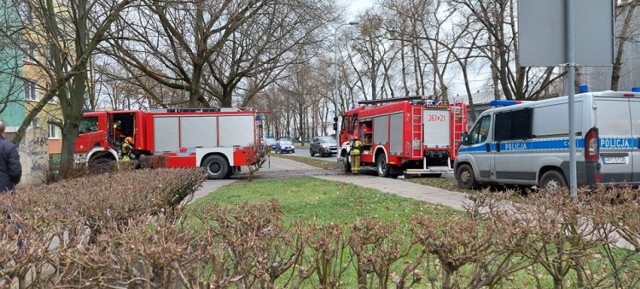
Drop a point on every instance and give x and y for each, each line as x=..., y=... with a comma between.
x=416, y=132
x=458, y=123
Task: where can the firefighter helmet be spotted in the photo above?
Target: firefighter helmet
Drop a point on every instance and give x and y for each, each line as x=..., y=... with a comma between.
x=128, y=139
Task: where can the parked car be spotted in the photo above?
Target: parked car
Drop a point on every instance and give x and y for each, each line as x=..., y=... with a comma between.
x=284, y=146
x=323, y=145
x=271, y=142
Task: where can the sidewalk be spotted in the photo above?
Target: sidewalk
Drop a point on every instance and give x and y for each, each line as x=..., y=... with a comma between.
x=405, y=189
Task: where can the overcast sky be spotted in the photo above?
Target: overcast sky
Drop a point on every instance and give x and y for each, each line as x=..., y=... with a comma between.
x=356, y=6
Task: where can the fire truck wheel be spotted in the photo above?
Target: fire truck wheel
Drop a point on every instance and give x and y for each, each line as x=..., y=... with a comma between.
x=382, y=166
x=347, y=165
x=100, y=166
x=216, y=167
x=465, y=177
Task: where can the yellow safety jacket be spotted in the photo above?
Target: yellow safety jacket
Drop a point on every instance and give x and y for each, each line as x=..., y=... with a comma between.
x=126, y=149
x=355, y=148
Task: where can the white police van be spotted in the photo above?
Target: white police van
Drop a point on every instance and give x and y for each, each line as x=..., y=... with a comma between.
x=528, y=143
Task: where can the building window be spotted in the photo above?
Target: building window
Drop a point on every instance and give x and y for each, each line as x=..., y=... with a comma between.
x=28, y=51
x=53, y=100
x=30, y=90
x=53, y=131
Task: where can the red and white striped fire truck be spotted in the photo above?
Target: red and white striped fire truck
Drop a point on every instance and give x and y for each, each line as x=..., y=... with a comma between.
x=407, y=135
x=220, y=140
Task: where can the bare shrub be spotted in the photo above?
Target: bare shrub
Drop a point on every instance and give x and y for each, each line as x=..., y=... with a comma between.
x=253, y=247
x=129, y=230
x=326, y=248
x=376, y=246
x=616, y=212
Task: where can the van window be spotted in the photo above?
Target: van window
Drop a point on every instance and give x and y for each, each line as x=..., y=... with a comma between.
x=512, y=125
x=480, y=131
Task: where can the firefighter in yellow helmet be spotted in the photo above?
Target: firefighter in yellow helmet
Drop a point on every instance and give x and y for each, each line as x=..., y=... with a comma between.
x=355, y=155
x=126, y=149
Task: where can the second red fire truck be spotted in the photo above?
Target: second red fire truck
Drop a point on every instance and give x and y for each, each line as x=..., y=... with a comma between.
x=220, y=140
x=404, y=135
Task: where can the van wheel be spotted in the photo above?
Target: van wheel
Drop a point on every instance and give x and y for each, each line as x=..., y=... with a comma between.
x=312, y=153
x=382, y=166
x=552, y=181
x=216, y=167
x=465, y=177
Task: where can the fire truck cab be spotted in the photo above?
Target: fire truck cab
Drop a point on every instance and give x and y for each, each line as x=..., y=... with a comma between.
x=220, y=140
x=408, y=135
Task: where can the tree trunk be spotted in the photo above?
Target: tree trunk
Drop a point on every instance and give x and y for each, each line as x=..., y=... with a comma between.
x=622, y=40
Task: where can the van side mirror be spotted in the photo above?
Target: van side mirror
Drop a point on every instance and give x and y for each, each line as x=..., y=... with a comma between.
x=465, y=139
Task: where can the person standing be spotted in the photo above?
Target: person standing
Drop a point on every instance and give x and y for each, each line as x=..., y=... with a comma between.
x=117, y=134
x=10, y=168
x=127, y=148
x=355, y=155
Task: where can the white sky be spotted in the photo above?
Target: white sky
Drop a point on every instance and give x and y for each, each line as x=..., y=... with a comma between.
x=355, y=6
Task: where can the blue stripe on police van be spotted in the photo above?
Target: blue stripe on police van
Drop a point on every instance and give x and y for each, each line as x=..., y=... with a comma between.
x=528, y=145
x=539, y=145
x=607, y=143
x=618, y=143
x=473, y=149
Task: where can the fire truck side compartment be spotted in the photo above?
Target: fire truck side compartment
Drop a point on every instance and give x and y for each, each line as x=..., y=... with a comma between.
x=396, y=131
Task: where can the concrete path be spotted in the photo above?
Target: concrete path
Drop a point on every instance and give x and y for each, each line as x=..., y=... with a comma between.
x=405, y=189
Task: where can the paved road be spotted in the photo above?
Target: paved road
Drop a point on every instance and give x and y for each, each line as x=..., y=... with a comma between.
x=281, y=168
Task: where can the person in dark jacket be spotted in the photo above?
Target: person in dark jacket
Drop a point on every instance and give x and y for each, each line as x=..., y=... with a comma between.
x=10, y=168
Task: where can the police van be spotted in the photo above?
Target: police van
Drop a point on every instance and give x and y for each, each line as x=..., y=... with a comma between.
x=528, y=143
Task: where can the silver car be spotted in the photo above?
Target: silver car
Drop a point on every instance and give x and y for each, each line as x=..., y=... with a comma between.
x=323, y=145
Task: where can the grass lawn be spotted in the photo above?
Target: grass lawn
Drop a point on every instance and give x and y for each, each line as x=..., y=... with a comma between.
x=327, y=201
x=324, y=163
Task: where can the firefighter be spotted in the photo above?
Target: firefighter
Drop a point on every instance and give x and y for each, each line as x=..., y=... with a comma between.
x=126, y=149
x=355, y=155
x=117, y=134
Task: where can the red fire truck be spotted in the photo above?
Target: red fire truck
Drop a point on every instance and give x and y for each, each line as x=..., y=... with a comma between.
x=220, y=140
x=404, y=135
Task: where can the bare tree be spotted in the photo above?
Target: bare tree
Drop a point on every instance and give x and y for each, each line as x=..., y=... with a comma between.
x=217, y=50
x=626, y=8
x=66, y=33
x=261, y=51
x=371, y=49
x=500, y=49
x=420, y=27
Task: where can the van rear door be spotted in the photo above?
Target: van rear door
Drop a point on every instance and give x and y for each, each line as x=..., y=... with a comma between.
x=617, y=151
x=634, y=108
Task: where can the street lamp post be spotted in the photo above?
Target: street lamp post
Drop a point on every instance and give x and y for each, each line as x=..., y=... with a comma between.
x=335, y=74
